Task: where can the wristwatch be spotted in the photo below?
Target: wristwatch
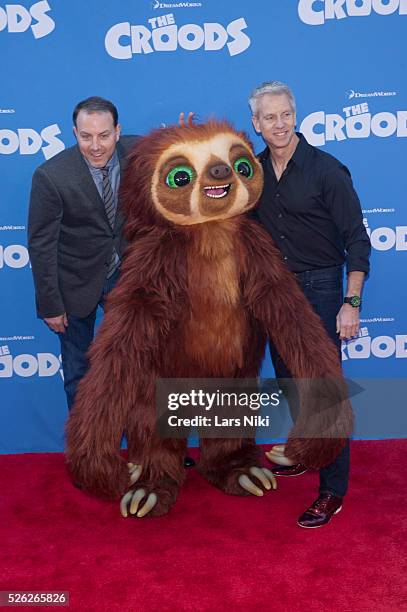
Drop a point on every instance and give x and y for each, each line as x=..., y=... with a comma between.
x=353, y=300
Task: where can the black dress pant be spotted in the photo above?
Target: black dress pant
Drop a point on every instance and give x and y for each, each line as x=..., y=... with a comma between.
x=324, y=290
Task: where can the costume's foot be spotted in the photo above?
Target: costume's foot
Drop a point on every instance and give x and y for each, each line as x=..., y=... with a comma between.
x=147, y=497
x=237, y=470
x=289, y=470
x=321, y=511
x=189, y=462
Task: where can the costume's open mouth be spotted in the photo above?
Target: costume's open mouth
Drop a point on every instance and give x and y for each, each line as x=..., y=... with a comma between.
x=217, y=191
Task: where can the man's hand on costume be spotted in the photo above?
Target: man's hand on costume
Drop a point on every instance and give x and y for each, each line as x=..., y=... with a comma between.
x=57, y=324
x=347, y=322
x=189, y=121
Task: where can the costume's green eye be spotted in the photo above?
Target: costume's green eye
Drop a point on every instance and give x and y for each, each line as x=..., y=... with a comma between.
x=244, y=166
x=179, y=176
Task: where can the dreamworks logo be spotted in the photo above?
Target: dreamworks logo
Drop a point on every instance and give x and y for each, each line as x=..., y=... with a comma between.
x=317, y=12
x=387, y=238
x=357, y=122
x=26, y=365
x=27, y=141
x=14, y=256
x=351, y=93
x=18, y=19
x=381, y=347
x=171, y=5
x=124, y=40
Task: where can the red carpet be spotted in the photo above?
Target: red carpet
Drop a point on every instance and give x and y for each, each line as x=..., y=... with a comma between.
x=213, y=552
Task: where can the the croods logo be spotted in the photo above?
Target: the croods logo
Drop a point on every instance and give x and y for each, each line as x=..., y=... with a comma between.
x=356, y=122
x=27, y=141
x=124, y=40
x=13, y=256
x=317, y=12
x=15, y=18
x=387, y=238
x=26, y=364
x=382, y=347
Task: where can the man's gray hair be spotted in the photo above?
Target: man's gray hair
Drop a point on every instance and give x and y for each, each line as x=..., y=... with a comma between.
x=273, y=88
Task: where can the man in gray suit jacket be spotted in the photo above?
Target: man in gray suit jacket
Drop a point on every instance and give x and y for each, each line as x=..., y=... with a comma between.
x=75, y=231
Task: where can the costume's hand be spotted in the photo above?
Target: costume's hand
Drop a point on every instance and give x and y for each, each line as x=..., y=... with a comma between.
x=57, y=324
x=347, y=322
x=181, y=119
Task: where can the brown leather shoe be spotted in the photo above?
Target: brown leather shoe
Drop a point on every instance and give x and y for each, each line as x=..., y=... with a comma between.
x=289, y=470
x=321, y=511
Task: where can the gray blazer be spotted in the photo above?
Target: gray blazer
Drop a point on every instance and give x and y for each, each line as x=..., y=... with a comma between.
x=70, y=240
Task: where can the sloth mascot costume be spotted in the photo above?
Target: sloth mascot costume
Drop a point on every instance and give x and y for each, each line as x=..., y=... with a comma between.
x=202, y=287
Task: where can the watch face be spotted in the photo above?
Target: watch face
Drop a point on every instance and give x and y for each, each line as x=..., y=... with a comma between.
x=355, y=301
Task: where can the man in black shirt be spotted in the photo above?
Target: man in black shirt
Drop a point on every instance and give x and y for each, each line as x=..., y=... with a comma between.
x=312, y=212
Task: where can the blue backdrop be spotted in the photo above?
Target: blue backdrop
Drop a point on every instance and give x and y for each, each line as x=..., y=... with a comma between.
x=345, y=61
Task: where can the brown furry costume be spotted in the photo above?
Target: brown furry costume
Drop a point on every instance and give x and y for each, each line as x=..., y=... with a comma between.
x=201, y=288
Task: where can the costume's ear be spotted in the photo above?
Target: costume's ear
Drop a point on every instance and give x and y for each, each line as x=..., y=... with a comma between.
x=190, y=119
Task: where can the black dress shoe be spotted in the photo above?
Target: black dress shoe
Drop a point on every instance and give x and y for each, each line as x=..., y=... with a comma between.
x=189, y=462
x=289, y=470
x=321, y=511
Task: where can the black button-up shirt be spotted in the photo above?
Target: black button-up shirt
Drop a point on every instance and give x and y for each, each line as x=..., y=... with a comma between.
x=313, y=212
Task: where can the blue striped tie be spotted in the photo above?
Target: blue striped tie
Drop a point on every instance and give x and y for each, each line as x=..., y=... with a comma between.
x=110, y=207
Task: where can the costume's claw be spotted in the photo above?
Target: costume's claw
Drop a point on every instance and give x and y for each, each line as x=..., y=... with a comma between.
x=135, y=502
x=139, y=502
x=249, y=486
x=260, y=475
x=123, y=503
x=150, y=503
x=279, y=458
x=278, y=448
x=271, y=478
x=132, y=467
x=135, y=474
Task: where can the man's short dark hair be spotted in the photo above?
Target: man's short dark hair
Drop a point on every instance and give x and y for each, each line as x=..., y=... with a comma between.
x=95, y=104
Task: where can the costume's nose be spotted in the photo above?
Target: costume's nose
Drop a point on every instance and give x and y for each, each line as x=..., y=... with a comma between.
x=220, y=171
